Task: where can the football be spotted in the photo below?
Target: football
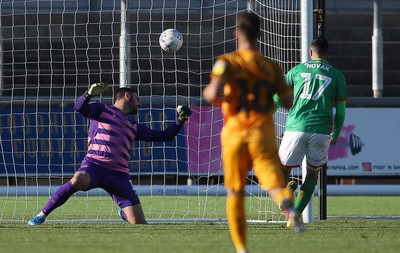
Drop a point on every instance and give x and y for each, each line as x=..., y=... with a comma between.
x=171, y=40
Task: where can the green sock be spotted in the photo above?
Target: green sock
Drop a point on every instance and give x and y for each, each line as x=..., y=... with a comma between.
x=305, y=194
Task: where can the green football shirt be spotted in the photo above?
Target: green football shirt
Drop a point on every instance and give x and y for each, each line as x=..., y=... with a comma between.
x=316, y=86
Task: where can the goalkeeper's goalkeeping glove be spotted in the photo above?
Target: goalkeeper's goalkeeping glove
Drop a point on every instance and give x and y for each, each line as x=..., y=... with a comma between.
x=183, y=113
x=95, y=89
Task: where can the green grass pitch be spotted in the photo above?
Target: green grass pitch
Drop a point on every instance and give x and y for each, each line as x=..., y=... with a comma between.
x=330, y=236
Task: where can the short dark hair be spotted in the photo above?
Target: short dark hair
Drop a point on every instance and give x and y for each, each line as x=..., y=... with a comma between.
x=249, y=25
x=321, y=47
x=120, y=92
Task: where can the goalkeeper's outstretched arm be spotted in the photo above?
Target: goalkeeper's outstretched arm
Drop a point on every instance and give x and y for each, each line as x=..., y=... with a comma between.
x=82, y=104
x=147, y=134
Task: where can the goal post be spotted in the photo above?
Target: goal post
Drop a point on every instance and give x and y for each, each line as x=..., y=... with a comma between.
x=52, y=50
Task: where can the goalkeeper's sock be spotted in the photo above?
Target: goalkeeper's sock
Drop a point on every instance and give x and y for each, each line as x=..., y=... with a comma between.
x=305, y=194
x=41, y=214
x=59, y=198
x=237, y=221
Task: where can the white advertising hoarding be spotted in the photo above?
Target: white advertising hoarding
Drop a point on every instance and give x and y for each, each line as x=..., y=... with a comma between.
x=369, y=144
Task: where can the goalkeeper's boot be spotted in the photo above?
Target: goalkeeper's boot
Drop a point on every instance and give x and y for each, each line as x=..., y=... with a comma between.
x=122, y=214
x=294, y=220
x=38, y=220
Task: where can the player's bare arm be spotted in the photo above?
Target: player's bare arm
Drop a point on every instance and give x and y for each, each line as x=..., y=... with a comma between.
x=213, y=92
x=287, y=101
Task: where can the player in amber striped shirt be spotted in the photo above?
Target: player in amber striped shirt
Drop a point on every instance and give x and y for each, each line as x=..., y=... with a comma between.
x=243, y=83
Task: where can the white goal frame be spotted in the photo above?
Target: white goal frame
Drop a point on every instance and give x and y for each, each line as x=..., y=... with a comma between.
x=63, y=46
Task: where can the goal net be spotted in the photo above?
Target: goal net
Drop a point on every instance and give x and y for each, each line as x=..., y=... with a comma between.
x=50, y=51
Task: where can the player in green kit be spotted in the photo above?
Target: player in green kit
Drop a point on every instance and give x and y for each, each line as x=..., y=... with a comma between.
x=317, y=88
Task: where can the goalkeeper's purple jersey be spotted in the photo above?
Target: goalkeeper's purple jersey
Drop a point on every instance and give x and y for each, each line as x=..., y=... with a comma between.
x=111, y=134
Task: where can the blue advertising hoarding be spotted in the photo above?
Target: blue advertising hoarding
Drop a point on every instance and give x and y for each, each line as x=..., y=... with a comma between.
x=53, y=141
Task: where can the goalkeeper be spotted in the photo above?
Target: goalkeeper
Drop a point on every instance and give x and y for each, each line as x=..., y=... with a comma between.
x=105, y=165
x=317, y=86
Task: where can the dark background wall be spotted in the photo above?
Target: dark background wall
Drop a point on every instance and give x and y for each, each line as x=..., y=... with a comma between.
x=60, y=54
x=349, y=28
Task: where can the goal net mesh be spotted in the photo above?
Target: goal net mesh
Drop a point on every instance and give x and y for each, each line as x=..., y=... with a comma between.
x=51, y=51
